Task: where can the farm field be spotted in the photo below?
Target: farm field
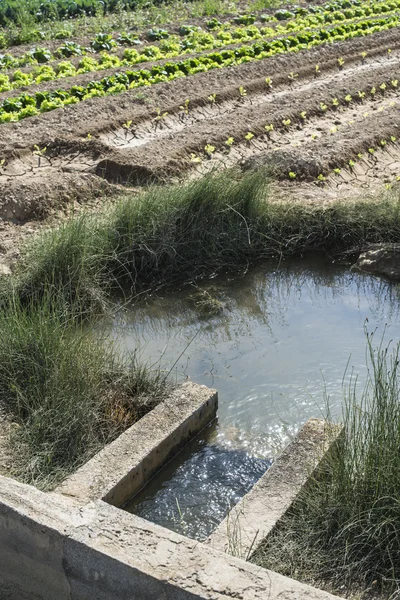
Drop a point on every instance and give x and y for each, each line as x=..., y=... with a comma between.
x=137, y=155
x=313, y=94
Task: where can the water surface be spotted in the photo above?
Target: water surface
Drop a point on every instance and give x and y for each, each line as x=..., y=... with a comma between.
x=280, y=346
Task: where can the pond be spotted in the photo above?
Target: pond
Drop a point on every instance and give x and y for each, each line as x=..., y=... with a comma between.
x=279, y=347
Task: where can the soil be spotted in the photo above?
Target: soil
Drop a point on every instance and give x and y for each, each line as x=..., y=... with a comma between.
x=90, y=157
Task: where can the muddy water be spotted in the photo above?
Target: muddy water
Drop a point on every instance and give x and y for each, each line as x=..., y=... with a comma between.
x=277, y=349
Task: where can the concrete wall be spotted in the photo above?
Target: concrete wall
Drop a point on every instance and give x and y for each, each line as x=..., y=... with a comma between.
x=258, y=512
x=53, y=549
x=123, y=467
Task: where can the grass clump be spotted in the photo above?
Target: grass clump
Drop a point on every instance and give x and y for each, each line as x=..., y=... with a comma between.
x=344, y=532
x=184, y=232
x=68, y=391
x=168, y=234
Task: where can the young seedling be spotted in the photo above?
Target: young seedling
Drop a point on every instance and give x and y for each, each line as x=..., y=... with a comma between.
x=363, y=57
x=242, y=93
x=39, y=152
x=382, y=87
x=373, y=91
x=127, y=127
x=268, y=82
x=161, y=116
x=286, y=122
x=292, y=78
x=333, y=129
x=229, y=142
x=317, y=70
x=2, y=163
x=194, y=158
x=383, y=143
x=321, y=178
x=335, y=102
x=340, y=61
x=323, y=106
x=292, y=175
x=248, y=137
x=209, y=150
x=89, y=137
x=393, y=139
x=348, y=98
x=185, y=109
x=303, y=115
x=212, y=98
x=337, y=171
x=361, y=95
x=352, y=164
x=395, y=83
x=269, y=129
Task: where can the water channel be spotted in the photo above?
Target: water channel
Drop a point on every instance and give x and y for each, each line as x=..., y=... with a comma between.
x=278, y=348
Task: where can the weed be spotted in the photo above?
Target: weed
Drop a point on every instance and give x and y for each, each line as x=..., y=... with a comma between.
x=344, y=530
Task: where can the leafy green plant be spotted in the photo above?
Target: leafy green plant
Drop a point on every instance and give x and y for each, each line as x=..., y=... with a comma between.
x=242, y=93
x=209, y=149
x=156, y=33
x=185, y=108
x=41, y=55
x=70, y=49
x=159, y=118
x=39, y=152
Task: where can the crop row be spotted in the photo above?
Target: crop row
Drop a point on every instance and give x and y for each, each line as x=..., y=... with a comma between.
x=27, y=105
x=302, y=118
x=345, y=162
x=132, y=57
x=43, y=10
x=195, y=39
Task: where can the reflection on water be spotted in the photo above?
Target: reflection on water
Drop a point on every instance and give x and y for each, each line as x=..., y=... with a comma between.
x=193, y=493
x=281, y=343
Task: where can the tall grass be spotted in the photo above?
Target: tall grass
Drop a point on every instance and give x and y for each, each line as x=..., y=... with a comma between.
x=188, y=231
x=345, y=529
x=68, y=391
x=55, y=378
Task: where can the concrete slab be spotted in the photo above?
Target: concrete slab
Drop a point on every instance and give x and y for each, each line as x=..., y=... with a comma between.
x=259, y=511
x=123, y=467
x=52, y=549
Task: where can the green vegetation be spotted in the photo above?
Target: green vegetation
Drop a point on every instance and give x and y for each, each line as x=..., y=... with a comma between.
x=27, y=105
x=192, y=230
x=60, y=19
x=68, y=391
x=345, y=529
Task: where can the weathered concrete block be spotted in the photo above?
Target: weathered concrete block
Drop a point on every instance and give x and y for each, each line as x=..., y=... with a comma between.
x=259, y=511
x=123, y=467
x=98, y=552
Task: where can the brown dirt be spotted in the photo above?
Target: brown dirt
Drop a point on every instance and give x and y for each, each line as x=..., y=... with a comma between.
x=77, y=171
